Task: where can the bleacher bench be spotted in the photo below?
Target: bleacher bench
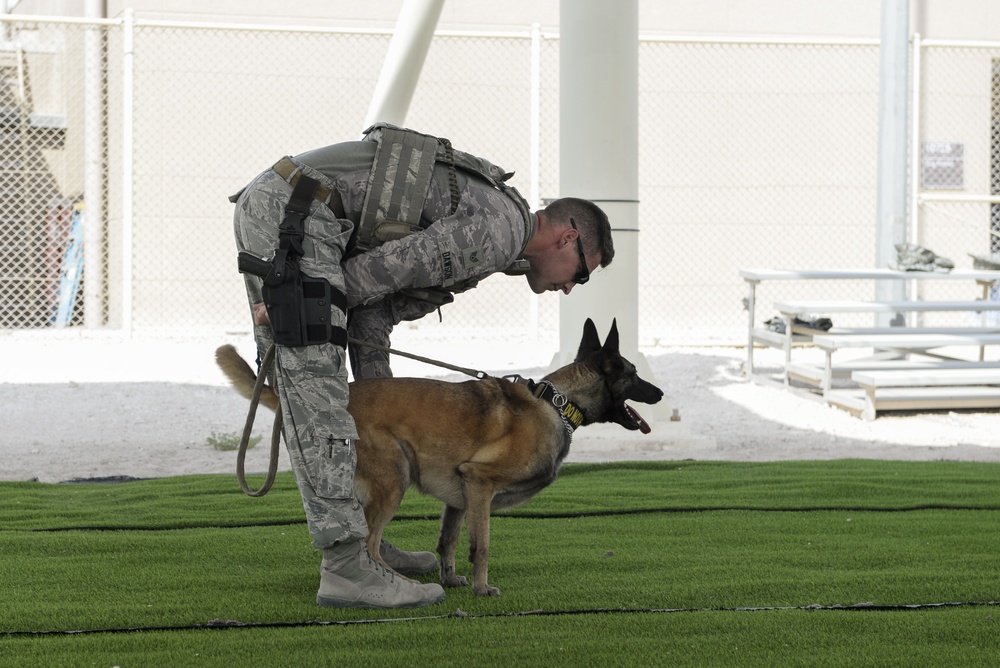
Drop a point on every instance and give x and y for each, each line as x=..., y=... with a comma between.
x=916, y=389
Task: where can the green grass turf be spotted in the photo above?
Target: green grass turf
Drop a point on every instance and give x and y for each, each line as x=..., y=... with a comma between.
x=952, y=637
x=605, y=553
x=215, y=500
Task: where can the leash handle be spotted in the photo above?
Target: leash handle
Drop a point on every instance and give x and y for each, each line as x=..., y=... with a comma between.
x=272, y=467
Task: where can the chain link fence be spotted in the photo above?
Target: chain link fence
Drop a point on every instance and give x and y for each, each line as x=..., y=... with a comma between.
x=751, y=154
x=957, y=204
x=42, y=119
x=121, y=141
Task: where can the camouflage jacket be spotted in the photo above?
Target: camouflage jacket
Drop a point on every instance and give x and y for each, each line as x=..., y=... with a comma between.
x=486, y=234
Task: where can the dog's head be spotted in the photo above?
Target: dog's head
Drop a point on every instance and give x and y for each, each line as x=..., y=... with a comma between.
x=620, y=378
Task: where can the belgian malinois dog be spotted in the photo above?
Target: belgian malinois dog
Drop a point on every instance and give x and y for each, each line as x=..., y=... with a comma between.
x=475, y=445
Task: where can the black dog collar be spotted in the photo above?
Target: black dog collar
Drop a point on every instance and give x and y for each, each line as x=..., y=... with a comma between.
x=547, y=392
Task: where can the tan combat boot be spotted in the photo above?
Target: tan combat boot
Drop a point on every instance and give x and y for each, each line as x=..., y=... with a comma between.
x=407, y=563
x=351, y=578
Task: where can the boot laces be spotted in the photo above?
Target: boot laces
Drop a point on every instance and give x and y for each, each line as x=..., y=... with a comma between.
x=379, y=567
x=390, y=549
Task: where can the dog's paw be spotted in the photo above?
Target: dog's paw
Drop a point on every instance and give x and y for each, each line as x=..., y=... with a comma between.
x=454, y=581
x=486, y=591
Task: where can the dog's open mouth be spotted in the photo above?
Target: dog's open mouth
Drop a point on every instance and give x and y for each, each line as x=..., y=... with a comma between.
x=642, y=425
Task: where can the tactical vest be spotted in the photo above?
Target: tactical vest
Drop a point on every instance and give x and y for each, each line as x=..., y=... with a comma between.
x=400, y=180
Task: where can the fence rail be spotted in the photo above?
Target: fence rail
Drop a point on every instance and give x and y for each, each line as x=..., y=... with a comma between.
x=121, y=139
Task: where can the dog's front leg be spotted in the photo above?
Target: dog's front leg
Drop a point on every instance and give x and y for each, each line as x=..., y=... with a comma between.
x=451, y=529
x=478, y=498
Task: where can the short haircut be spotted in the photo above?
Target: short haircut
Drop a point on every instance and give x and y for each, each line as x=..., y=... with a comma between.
x=591, y=221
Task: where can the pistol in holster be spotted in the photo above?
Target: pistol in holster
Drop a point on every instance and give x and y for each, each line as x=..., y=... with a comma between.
x=298, y=306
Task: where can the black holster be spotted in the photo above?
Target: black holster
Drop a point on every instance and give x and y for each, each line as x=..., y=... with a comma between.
x=298, y=306
x=300, y=310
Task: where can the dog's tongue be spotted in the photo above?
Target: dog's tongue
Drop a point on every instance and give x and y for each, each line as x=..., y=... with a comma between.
x=643, y=425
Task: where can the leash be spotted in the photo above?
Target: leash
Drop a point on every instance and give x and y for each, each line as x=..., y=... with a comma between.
x=272, y=467
x=478, y=375
x=265, y=368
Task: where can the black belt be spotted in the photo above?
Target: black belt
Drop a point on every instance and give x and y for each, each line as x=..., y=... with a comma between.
x=291, y=172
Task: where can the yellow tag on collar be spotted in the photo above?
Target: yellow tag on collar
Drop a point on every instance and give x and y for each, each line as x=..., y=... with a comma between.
x=573, y=414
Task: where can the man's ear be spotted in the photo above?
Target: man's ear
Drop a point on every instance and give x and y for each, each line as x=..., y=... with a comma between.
x=567, y=236
x=561, y=239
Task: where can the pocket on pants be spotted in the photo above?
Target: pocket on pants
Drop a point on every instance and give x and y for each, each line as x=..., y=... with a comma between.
x=333, y=467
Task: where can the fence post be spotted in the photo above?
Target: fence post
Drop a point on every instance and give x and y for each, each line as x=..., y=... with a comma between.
x=128, y=141
x=93, y=179
x=915, y=144
x=535, y=160
x=916, y=287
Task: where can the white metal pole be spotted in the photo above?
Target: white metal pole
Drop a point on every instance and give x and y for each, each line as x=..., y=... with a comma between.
x=93, y=160
x=403, y=62
x=890, y=228
x=128, y=142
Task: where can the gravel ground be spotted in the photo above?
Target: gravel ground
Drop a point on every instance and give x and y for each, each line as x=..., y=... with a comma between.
x=97, y=407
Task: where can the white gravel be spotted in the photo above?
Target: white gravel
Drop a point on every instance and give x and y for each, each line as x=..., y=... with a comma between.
x=97, y=406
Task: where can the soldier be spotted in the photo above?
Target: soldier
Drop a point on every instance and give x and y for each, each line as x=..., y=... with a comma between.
x=385, y=229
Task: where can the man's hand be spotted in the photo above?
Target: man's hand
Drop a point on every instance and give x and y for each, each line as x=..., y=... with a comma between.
x=260, y=314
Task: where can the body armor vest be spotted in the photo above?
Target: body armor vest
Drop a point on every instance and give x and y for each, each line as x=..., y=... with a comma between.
x=400, y=180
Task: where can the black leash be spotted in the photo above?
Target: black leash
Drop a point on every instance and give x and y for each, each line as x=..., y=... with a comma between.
x=478, y=375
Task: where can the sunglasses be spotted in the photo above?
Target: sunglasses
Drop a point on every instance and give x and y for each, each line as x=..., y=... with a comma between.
x=583, y=275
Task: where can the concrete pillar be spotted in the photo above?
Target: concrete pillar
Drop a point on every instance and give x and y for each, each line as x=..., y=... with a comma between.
x=599, y=157
x=599, y=161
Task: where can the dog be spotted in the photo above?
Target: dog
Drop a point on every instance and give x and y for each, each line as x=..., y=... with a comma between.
x=476, y=445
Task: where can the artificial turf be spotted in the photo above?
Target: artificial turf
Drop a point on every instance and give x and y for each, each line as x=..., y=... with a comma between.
x=670, y=563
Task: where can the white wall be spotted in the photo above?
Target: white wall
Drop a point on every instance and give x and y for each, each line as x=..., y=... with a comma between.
x=938, y=19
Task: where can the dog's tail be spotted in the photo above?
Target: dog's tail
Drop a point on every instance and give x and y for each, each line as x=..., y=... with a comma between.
x=242, y=376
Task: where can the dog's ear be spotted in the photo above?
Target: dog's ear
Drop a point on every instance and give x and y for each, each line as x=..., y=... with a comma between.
x=611, y=343
x=591, y=341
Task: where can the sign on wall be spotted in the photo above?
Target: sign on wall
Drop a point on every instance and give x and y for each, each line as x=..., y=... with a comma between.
x=942, y=165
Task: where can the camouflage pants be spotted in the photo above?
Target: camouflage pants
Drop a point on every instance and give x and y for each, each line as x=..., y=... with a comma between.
x=374, y=323
x=311, y=380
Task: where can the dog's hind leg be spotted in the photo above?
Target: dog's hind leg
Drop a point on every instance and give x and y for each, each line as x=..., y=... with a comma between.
x=451, y=529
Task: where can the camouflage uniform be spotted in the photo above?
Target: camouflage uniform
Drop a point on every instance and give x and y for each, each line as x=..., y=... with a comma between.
x=486, y=234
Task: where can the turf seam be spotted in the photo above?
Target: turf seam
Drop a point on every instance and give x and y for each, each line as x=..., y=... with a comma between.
x=540, y=516
x=715, y=509
x=220, y=624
